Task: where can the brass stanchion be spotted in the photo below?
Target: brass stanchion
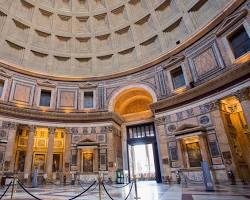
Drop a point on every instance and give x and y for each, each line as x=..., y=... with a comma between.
x=136, y=192
x=99, y=185
x=13, y=187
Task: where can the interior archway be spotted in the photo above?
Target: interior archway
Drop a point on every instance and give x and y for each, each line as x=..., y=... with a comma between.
x=133, y=104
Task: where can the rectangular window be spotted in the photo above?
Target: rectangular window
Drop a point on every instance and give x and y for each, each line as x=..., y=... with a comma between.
x=178, y=78
x=89, y=99
x=1, y=87
x=45, y=98
x=240, y=42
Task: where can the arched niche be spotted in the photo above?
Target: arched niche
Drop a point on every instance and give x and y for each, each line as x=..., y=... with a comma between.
x=133, y=104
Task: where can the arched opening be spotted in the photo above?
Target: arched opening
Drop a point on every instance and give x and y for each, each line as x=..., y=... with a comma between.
x=133, y=104
x=236, y=128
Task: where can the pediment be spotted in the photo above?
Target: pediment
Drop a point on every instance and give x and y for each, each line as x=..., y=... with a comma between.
x=86, y=141
x=189, y=129
x=4, y=73
x=230, y=21
x=46, y=83
x=87, y=85
x=185, y=127
x=173, y=60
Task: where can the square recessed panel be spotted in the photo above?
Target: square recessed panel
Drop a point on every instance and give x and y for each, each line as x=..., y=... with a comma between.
x=67, y=99
x=22, y=92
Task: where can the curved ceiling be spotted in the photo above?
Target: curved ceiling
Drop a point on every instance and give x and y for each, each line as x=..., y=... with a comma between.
x=129, y=103
x=86, y=38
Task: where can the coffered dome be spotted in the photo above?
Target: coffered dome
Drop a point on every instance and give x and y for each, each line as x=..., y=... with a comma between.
x=86, y=38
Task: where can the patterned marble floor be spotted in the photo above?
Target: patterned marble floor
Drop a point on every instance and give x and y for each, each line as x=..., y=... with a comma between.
x=146, y=190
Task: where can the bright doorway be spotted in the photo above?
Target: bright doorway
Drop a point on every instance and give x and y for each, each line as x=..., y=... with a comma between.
x=141, y=160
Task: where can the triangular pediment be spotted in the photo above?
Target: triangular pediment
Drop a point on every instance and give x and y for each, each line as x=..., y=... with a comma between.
x=4, y=73
x=230, y=21
x=173, y=60
x=87, y=142
x=46, y=83
x=87, y=85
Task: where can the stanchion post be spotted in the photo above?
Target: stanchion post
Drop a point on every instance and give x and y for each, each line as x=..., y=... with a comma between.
x=13, y=187
x=136, y=192
x=99, y=185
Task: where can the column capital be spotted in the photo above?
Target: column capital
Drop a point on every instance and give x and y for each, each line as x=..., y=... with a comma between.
x=243, y=94
x=51, y=130
x=160, y=121
x=9, y=125
x=71, y=130
x=32, y=128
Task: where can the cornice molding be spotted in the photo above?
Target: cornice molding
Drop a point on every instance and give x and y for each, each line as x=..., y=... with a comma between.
x=235, y=73
x=10, y=110
x=230, y=21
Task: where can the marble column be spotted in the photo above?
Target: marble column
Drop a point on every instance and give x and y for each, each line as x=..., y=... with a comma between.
x=67, y=151
x=204, y=148
x=244, y=97
x=10, y=147
x=79, y=155
x=49, y=160
x=29, y=153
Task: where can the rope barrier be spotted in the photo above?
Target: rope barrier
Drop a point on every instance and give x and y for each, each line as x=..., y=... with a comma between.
x=23, y=187
x=27, y=190
x=91, y=189
x=83, y=191
x=6, y=190
x=130, y=189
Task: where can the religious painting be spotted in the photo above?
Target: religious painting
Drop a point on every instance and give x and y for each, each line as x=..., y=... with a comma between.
x=194, y=154
x=56, y=162
x=87, y=161
x=21, y=161
x=39, y=162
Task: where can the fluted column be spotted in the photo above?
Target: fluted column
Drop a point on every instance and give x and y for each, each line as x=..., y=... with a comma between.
x=10, y=147
x=29, y=153
x=67, y=149
x=49, y=160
